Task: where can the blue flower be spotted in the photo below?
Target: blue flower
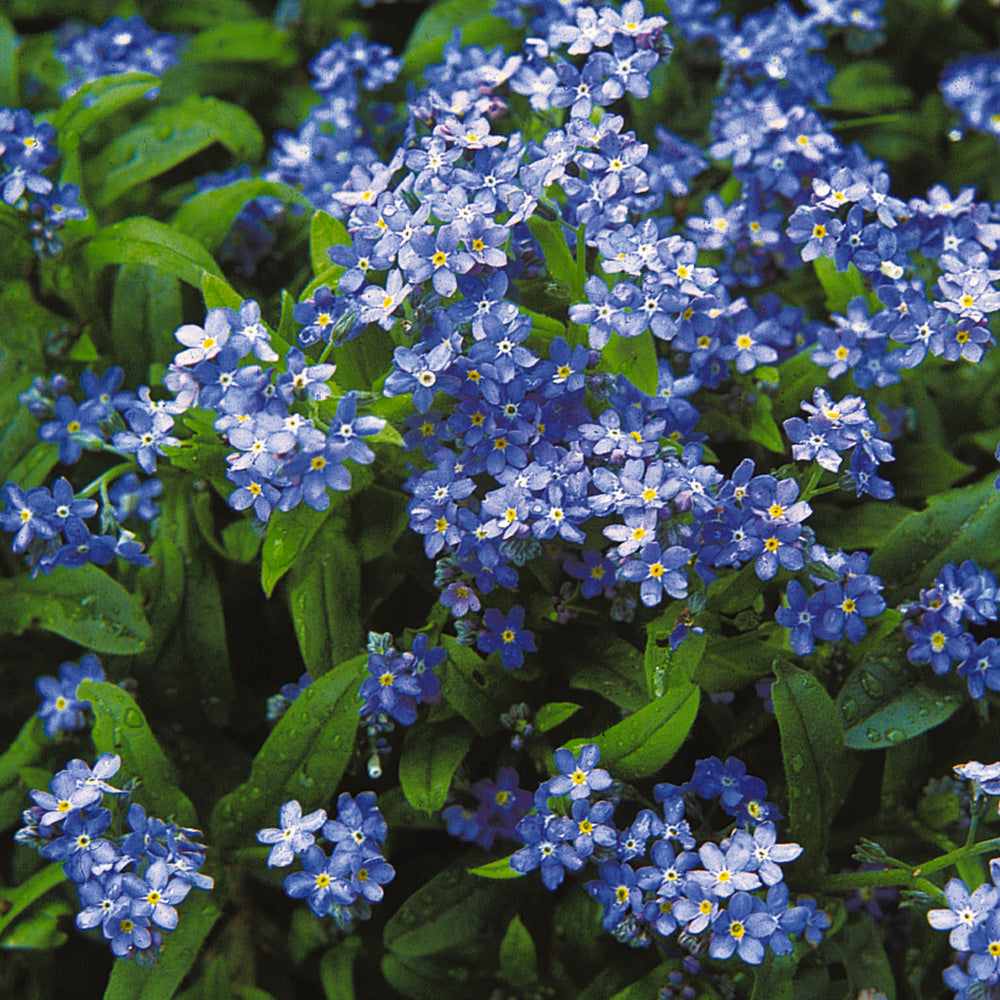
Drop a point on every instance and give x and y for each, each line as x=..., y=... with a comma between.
x=321, y=883
x=545, y=839
x=578, y=776
x=156, y=893
x=617, y=891
x=294, y=835
x=734, y=932
x=61, y=708
x=506, y=636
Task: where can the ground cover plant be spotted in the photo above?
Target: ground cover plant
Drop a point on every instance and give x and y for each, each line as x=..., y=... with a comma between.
x=501, y=500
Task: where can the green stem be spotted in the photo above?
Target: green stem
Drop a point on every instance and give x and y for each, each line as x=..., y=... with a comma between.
x=814, y=478
x=101, y=482
x=870, y=120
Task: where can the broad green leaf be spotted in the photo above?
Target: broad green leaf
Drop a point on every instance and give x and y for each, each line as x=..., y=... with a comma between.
x=145, y=310
x=121, y=728
x=145, y=241
x=561, y=264
x=921, y=470
x=434, y=30
x=303, y=758
x=210, y=215
x=26, y=749
x=247, y=41
x=163, y=587
x=842, y=286
x=217, y=292
x=19, y=439
x=885, y=701
x=209, y=677
x=860, y=950
x=324, y=596
x=641, y=744
x=84, y=605
x=800, y=376
x=496, y=869
x=609, y=666
x=9, y=90
x=635, y=358
x=479, y=693
x=430, y=756
x=455, y=916
x=215, y=981
x=862, y=527
x=731, y=662
x=867, y=86
x=664, y=666
x=18, y=898
x=324, y=232
x=132, y=981
x=39, y=930
x=288, y=536
x=336, y=969
x=772, y=979
x=167, y=137
x=554, y=714
x=27, y=325
x=518, y=960
x=958, y=525
x=649, y=985
x=99, y=99
x=378, y=520
x=812, y=748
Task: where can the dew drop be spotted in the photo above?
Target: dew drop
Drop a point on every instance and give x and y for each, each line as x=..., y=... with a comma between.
x=305, y=781
x=849, y=710
x=871, y=685
x=132, y=718
x=255, y=793
x=895, y=735
x=874, y=735
x=797, y=763
x=116, y=737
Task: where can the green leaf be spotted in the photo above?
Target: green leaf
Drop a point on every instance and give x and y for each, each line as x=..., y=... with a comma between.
x=499, y=869
x=26, y=749
x=217, y=292
x=140, y=240
x=336, y=969
x=99, y=99
x=560, y=263
x=664, y=666
x=812, y=748
x=862, y=527
x=288, y=536
x=635, y=358
x=641, y=744
x=19, y=898
x=885, y=702
x=208, y=216
x=430, y=756
x=455, y=916
x=434, y=30
x=921, y=470
x=324, y=596
x=518, y=960
x=378, y=519
x=610, y=666
x=209, y=677
x=145, y=311
x=772, y=979
x=84, y=605
x=477, y=692
x=867, y=86
x=167, y=137
x=9, y=90
x=40, y=929
x=554, y=714
x=122, y=728
x=869, y=972
x=957, y=525
x=324, y=232
x=303, y=758
x=649, y=985
x=132, y=981
x=840, y=286
x=731, y=662
x=256, y=40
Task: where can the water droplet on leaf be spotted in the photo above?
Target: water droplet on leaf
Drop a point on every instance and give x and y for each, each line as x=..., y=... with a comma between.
x=132, y=718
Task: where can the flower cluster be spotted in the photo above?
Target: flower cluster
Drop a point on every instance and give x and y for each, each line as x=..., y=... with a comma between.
x=119, y=45
x=501, y=805
x=971, y=85
x=344, y=883
x=706, y=891
x=62, y=709
x=398, y=682
x=959, y=594
x=283, y=456
x=972, y=919
x=128, y=886
x=27, y=150
x=833, y=427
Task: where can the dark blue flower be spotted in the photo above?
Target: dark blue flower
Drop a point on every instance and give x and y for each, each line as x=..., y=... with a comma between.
x=506, y=636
